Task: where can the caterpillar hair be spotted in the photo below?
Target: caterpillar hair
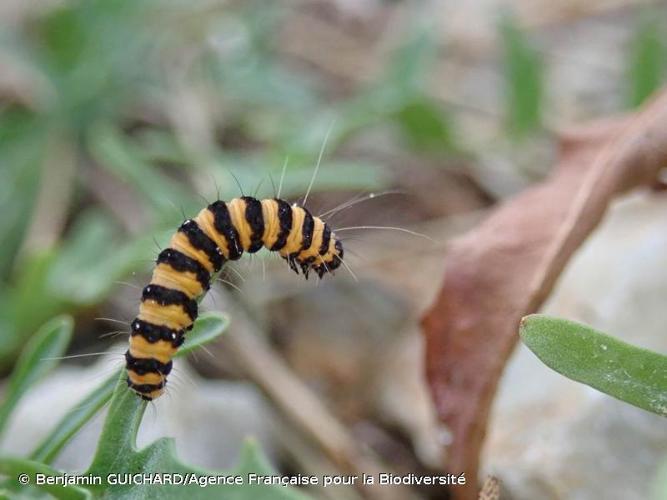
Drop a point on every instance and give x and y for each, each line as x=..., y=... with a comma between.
x=201, y=246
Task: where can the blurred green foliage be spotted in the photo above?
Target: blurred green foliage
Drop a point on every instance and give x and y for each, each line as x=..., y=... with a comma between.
x=172, y=102
x=523, y=70
x=38, y=358
x=648, y=57
x=99, y=103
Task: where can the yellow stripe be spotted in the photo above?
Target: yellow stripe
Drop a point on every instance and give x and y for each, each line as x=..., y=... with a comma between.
x=148, y=378
x=237, y=213
x=181, y=243
x=155, y=394
x=184, y=281
x=161, y=350
x=172, y=316
x=206, y=222
x=271, y=222
x=295, y=237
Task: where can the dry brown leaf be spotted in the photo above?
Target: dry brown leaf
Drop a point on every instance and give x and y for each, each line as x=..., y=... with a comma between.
x=507, y=266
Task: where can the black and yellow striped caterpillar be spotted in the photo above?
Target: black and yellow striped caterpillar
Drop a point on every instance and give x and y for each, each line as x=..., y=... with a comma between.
x=220, y=232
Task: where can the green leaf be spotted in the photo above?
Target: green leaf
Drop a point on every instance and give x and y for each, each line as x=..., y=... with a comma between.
x=523, y=78
x=632, y=374
x=648, y=56
x=37, y=359
x=206, y=329
x=13, y=467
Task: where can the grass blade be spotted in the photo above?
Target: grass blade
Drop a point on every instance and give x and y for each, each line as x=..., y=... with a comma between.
x=36, y=360
x=523, y=74
x=647, y=59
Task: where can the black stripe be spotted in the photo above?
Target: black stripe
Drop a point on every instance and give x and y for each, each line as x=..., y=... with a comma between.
x=307, y=230
x=285, y=219
x=222, y=222
x=167, y=297
x=145, y=388
x=255, y=219
x=183, y=264
x=332, y=264
x=326, y=239
x=152, y=333
x=142, y=366
x=200, y=241
x=339, y=249
x=337, y=257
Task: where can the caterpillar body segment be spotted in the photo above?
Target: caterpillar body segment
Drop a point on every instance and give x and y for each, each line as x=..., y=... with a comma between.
x=201, y=246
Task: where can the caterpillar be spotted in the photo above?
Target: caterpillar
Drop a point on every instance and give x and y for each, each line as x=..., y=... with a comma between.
x=220, y=232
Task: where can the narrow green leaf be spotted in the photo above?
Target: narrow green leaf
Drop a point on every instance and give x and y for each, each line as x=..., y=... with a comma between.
x=14, y=467
x=37, y=359
x=523, y=78
x=648, y=56
x=632, y=374
x=206, y=329
x=425, y=125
